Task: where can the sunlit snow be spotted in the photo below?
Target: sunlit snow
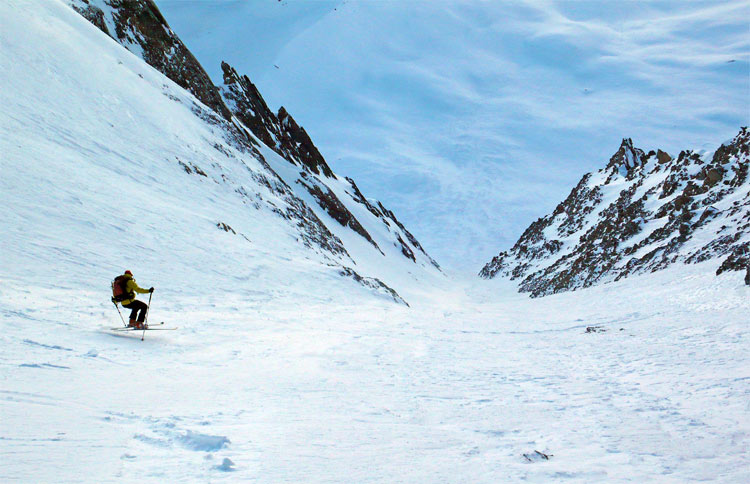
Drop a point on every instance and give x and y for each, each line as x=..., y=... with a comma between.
x=281, y=370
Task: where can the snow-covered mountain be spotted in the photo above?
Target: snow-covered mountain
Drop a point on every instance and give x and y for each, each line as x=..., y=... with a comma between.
x=284, y=171
x=278, y=368
x=641, y=213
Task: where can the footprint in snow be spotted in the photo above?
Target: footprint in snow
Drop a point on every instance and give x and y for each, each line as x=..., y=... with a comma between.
x=203, y=442
x=42, y=365
x=226, y=465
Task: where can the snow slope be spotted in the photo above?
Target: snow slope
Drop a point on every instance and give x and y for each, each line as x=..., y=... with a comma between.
x=281, y=370
x=353, y=390
x=326, y=216
x=120, y=159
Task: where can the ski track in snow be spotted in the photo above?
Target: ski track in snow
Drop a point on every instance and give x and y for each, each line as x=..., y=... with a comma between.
x=451, y=391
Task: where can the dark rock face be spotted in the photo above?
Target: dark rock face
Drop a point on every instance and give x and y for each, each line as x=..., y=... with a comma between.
x=92, y=13
x=627, y=158
x=333, y=206
x=140, y=23
x=663, y=157
x=739, y=259
x=641, y=213
x=277, y=131
x=374, y=284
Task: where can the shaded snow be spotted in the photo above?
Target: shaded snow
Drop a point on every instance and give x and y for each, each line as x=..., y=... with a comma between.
x=197, y=441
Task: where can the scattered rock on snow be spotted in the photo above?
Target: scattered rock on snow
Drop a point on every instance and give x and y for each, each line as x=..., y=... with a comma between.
x=642, y=213
x=226, y=228
x=595, y=329
x=536, y=456
x=373, y=283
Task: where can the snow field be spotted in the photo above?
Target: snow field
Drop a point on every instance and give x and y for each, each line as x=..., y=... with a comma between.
x=367, y=391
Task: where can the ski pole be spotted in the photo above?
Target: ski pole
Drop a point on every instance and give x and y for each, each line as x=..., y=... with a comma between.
x=148, y=308
x=118, y=312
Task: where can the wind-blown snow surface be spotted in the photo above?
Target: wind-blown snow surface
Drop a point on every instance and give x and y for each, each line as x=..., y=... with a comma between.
x=471, y=117
x=282, y=371
x=363, y=391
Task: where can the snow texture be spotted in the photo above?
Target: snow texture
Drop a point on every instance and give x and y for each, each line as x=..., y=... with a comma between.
x=283, y=370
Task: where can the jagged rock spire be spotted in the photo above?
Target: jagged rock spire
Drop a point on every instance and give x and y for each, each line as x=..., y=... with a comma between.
x=626, y=158
x=280, y=132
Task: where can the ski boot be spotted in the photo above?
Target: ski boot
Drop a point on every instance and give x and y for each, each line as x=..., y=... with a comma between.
x=137, y=324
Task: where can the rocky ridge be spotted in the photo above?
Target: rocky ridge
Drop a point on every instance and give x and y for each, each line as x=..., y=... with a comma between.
x=641, y=213
x=280, y=131
x=282, y=134
x=322, y=207
x=140, y=27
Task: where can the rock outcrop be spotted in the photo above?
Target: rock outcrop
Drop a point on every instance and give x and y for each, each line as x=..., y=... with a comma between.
x=641, y=213
x=139, y=26
x=280, y=132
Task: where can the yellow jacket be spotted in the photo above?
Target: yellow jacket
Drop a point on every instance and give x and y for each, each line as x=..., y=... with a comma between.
x=131, y=287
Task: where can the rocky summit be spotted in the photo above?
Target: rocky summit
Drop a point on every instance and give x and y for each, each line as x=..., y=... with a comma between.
x=641, y=213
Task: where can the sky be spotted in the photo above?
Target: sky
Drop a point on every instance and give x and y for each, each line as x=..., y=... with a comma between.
x=472, y=119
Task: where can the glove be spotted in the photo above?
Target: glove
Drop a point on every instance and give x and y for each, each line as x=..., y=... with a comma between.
x=151, y=289
x=114, y=301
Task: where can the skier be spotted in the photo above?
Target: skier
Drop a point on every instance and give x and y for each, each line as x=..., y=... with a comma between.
x=124, y=288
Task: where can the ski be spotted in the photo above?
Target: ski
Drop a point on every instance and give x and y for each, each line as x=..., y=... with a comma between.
x=150, y=328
